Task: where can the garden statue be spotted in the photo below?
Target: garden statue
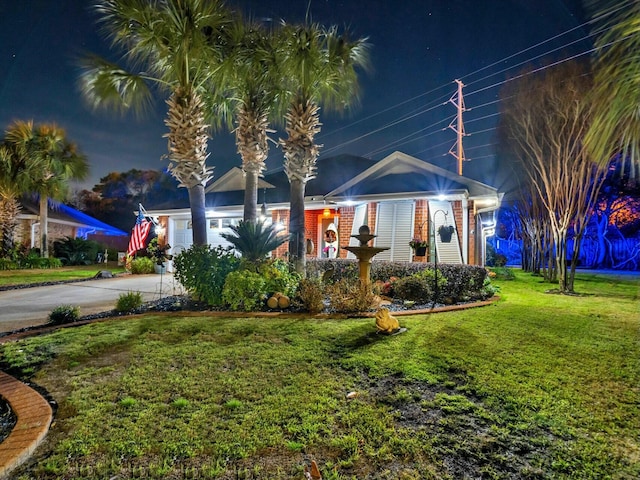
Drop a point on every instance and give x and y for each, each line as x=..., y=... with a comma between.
x=386, y=323
x=330, y=249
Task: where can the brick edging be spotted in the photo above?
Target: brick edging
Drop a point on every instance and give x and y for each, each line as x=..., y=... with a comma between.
x=34, y=418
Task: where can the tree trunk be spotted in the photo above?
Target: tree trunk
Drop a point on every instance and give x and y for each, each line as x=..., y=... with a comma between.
x=296, y=226
x=602, y=224
x=561, y=260
x=575, y=257
x=198, y=214
x=44, y=230
x=251, y=196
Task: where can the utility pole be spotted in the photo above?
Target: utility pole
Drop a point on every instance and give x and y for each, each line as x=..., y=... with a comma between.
x=457, y=126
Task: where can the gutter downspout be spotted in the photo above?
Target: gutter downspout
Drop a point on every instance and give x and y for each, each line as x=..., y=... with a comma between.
x=465, y=228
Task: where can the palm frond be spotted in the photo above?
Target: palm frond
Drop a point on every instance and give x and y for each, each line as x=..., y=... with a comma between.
x=105, y=85
x=254, y=240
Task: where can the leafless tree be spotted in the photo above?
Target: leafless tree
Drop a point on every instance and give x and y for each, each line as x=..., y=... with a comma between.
x=545, y=117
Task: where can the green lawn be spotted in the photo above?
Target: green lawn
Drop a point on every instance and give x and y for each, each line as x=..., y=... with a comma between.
x=39, y=275
x=535, y=386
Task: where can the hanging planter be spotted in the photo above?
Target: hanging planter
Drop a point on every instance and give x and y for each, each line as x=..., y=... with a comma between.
x=419, y=247
x=445, y=232
x=420, y=251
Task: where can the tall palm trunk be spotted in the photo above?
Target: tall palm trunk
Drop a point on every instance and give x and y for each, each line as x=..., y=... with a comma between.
x=253, y=147
x=188, y=153
x=44, y=222
x=251, y=196
x=300, y=155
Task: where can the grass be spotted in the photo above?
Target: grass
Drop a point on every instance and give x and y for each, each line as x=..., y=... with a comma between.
x=535, y=386
x=39, y=275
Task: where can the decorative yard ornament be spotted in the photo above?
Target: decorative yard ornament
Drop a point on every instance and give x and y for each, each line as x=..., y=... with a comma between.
x=387, y=323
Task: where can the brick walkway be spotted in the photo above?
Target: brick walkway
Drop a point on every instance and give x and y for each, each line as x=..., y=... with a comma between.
x=34, y=417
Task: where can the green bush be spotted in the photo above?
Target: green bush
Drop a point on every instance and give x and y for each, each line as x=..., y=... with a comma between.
x=142, y=265
x=332, y=269
x=8, y=264
x=420, y=287
x=49, y=263
x=495, y=259
x=33, y=260
x=502, y=273
x=311, y=295
x=244, y=290
x=128, y=302
x=64, y=314
x=202, y=271
x=77, y=251
x=414, y=288
x=279, y=277
x=349, y=296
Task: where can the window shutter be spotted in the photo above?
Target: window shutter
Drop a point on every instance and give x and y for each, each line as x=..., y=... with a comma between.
x=394, y=227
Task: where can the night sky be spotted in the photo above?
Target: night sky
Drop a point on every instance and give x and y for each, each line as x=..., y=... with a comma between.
x=419, y=47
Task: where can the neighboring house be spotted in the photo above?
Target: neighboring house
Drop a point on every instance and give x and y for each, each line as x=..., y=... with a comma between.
x=65, y=222
x=400, y=197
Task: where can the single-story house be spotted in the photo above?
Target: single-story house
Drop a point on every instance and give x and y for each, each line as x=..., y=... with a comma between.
x=399, y=197
x=65, y=221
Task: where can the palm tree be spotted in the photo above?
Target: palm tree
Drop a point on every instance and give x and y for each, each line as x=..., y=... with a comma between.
x=255, y=83
x=616, y=96
x=15, y=176
x=54, y=161
x=178, y=46
x=320, y=66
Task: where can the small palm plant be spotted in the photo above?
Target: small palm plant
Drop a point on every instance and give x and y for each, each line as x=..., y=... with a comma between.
x=254, y=240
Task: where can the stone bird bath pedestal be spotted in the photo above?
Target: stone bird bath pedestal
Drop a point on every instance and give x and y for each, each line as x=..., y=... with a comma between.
x=364, y=253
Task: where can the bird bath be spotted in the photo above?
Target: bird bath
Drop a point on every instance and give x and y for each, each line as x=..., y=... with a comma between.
x=364, y=253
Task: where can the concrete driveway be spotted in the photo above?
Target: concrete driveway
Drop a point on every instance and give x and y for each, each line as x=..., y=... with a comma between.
x=27, y=307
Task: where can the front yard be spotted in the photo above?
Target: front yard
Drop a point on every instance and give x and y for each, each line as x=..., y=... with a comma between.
x=535, y=386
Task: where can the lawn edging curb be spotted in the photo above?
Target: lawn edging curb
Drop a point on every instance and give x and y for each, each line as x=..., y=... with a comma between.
x=34, y=416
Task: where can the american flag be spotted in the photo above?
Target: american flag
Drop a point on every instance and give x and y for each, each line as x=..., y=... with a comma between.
x=139, y=234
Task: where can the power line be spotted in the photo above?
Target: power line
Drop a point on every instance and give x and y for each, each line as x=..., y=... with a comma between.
x=420, y=112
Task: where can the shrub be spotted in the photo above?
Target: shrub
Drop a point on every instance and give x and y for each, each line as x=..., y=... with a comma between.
x=142, y=265
x=279, y=278
x=311, y=295
x=348, y=296
x=128, y=302
x=332, y=269
x=32, y=259
x=502, y=273
x=202, y=271
x=244, y=290
x=495, y=259
x=48, y=263
x=64, y=314
x=76, y=251
x=254, y=240
x=488, y=290
x=415, y=288
x=8, y=264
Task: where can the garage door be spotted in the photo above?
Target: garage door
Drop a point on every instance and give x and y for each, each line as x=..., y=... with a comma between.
x=183, y=234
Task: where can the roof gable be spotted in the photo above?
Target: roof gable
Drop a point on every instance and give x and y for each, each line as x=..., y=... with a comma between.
x=234, y=180
x=402, y=173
